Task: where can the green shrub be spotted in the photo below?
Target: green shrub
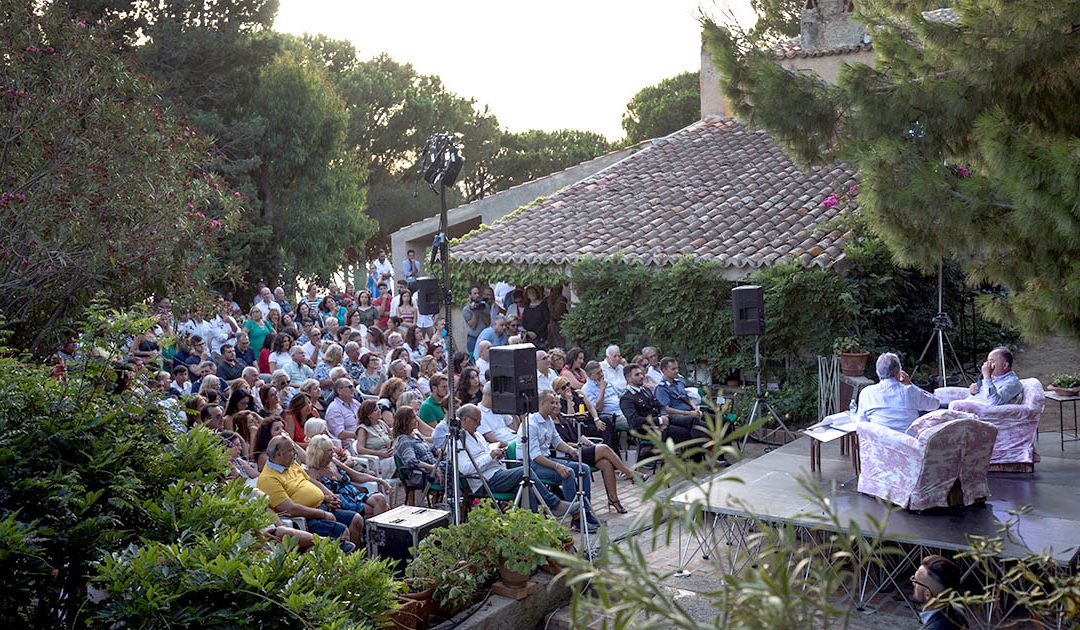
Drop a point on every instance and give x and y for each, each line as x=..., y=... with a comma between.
x=96, y=487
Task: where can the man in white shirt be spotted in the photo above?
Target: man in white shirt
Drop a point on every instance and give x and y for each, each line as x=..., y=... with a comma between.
x=483, y=364
x=266, y=302
x=613, y=365
x=544, y=373
x=496, y=428
x=893, y=401
x=653, y=375
x=385, y=269
x=478, y=460
x=543, y=439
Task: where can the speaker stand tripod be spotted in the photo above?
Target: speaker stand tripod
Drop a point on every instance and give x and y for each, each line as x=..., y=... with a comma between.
x=527, y=491
x=761, y=403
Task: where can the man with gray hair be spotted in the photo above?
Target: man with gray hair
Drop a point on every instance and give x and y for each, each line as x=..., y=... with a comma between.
x=613, y=365
x=893, y=401
x=489, y=464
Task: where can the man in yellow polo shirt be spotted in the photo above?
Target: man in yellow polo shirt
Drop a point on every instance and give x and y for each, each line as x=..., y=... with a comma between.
x=292, y=493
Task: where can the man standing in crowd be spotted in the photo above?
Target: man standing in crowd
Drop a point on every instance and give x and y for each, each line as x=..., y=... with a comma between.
x=477, y=316
x=602, y=395
x=893, y=401
x=489, y=465
x=613, y=365
x=279, y=297
x=312, y=298
x=410, y=269
x=999, y=384
x=266, y=302
x=385, y=269
x=495, y=333
x=292, y=493
x=230, y=367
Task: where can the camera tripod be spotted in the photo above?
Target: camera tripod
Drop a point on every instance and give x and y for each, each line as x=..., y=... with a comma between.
x=941, y=323
x=527, y=492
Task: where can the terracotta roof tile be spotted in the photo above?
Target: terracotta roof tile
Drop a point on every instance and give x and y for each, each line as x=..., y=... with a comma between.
x=792, y=49
x=715, y=190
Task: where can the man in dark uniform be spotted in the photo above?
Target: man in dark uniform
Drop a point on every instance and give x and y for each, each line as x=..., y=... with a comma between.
x=641, y=408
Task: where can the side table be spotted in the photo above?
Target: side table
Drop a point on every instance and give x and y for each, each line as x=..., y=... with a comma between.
x=1061, y=400
x=836, y=426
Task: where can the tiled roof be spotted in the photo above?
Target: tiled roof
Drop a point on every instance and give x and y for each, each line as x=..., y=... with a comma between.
x=714, y=191
x=792, y=49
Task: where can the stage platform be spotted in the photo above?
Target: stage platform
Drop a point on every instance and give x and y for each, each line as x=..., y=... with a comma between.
x=771, y=492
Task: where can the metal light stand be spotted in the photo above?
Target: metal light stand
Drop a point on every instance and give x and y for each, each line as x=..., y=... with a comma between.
x=761, y=403
x=442, y=160
x=528, y=487
x=587, y=551
x=942, y=323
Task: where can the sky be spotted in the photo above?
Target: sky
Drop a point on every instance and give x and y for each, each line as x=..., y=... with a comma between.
x=537, y=65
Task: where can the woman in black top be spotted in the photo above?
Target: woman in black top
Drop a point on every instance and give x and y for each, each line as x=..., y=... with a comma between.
x=536, y=316
x=601, y=455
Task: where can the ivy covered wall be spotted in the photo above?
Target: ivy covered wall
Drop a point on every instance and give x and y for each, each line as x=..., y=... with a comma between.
x=685, y=310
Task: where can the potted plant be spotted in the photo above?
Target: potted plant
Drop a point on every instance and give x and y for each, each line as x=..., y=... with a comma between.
x=1065, y=384
x=457, y=561
x=417, y=604
x=852, y=355
x=521, y=533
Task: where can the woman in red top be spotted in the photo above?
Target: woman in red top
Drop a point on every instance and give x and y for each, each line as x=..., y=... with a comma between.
x=573, y=370
x=296, y=415
x=382, y=303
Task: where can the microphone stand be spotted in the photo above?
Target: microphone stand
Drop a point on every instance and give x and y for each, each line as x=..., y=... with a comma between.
x=587, y=551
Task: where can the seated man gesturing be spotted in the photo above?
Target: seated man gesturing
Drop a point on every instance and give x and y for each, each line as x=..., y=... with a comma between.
x=893, y=401
x=999, y=384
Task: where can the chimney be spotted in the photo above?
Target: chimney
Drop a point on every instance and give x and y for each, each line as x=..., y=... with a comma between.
x=713, y=102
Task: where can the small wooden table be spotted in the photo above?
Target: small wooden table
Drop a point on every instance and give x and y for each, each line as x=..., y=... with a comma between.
x=1061, y=400
x=837, y=426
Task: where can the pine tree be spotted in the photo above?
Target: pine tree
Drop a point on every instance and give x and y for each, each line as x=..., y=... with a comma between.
x=966, y=133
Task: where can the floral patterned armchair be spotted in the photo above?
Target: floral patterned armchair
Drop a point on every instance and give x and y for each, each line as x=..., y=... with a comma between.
x=944, y=464
x=1018, y=425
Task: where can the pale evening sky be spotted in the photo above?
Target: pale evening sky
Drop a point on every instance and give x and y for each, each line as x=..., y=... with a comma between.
x=545, y=65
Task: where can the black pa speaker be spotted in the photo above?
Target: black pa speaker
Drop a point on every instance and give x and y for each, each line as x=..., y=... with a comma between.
x=748, y=306
x=513, y=379
x=427, y=296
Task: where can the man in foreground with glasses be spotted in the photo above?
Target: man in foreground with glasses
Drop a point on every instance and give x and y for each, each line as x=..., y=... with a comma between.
x=934, y=576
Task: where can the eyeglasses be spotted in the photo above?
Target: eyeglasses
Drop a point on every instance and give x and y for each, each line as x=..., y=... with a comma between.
x=918, y=583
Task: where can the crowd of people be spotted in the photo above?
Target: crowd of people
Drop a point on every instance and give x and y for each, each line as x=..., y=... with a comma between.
x=324, y=402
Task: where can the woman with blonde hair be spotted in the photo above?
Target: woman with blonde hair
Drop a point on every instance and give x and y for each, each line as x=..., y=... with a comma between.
x=311, y=389
x=388, y=396
x=210, y=383
x=341, y=480
x=599, y=455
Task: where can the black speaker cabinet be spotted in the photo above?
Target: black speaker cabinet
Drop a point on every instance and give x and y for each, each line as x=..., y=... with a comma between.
x=513, y=379
x=427, y=296
x=748, y=306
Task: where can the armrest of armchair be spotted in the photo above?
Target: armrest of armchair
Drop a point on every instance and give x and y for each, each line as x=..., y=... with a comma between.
x=949, y=394
x=882, y=448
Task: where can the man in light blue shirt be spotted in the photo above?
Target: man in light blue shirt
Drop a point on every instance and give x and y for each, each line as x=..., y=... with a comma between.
x=495, y=333
x=893, y=402
x=543, y=439
x=999, y=384
x=603, y=395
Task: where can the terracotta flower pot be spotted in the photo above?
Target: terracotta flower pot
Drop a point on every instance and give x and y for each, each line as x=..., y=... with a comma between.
x=853, y=363
x=513, y=579
x=424, y=604
x=409, y=616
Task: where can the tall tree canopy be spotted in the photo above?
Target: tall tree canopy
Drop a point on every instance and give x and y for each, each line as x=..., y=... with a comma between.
x=103, y=189
x=660, y=109
x=966, y=134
